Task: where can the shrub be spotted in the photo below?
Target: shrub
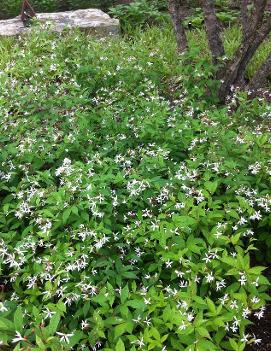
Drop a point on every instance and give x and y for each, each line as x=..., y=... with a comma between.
x=138, y=13
x=225, y=16
x=11, y=8
x=130, y=211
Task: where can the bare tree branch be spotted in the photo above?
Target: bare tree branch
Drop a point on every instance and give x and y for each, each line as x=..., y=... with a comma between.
x=213, y=30
x=176, y=17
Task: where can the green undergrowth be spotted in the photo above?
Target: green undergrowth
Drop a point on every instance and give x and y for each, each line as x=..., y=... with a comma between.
x=134, y=213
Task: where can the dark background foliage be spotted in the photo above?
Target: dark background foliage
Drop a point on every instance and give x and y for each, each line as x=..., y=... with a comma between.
x=11, y=8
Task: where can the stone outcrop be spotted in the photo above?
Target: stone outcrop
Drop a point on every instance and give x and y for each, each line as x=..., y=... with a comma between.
x=92, y=21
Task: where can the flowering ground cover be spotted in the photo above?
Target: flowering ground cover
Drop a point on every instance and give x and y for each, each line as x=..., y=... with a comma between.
x=134, y=213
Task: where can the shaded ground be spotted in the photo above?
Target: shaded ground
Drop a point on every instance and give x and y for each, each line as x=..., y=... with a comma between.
x=262, y=330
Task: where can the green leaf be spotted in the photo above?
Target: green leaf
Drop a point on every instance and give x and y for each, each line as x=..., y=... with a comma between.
x=206, y=345
x=66, y=215
x=122, y=328
x=120, y=346
x=203, y=332
x=61, y=306
x=155, y=333
x=256, y=270
x=233, y=344
x=6, y=324
x=211, y=186
x=75, y=210
x=52, y=327
x=124, y=294
x=86, y=308
x=18, y=319
x=211, y=305
x=184, y=221
x=137, y=304
x=40, y=343
x=78, y=335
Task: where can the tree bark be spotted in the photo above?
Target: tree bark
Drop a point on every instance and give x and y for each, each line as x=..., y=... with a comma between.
x=235, y=70
x=255, y=26
x=260, y=77
x=213, y=30
x=176, y=17
x=244, y=18
x=258, y=14
x=253, y=29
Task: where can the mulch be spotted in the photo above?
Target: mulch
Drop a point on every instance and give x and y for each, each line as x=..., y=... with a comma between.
x=262, y=330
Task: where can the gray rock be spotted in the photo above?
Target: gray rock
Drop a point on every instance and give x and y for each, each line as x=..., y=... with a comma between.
x=92, y=21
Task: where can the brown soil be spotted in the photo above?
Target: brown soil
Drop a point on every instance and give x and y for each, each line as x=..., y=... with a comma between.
x=262, y=330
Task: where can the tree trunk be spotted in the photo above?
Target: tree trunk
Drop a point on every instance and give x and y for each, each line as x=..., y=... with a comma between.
x=260, y=77
x=256, y=26
x=254, y=33
x=176, y=16
x=244, y=17
x=258, y=14
x=235, y=71
x=213, y=30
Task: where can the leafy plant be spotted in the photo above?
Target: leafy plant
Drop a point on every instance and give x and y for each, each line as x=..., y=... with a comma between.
x=225, y=16
x=12, y=8
x=131, y=210
x=138, y=13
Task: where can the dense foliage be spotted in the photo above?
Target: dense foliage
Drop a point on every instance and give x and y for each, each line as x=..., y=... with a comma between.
x=142, y=13
x=139, y=14
x=131, y=207
x=12, y=8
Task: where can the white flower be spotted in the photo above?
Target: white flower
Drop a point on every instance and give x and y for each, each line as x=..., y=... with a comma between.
x=233, y=304
x=179, y=205
x=256, y=282
x=2, y=307
x=137, y=320
x=242, y=279
x=48, y=313
x=260, y=314
x=18, y=337
x=147, y=301
x=255, y=299
x=256, y=216
x=245, y=338
x=210, y=277
x=147, y=321
x=182, y=326
x=190, y=317
x=246, y=312
x=84, y=325
x=220, y=285
x=179, y=273
x=168, y=264
x=140, y=342
x=254, y=168
x=65, y=337
x=256, y=341
x=183, y=284
x=224, y=299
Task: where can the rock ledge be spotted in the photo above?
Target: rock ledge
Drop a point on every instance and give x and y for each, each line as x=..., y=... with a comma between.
x=92, y=21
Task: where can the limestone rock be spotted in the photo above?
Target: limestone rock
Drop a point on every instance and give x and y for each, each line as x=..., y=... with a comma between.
x=90, y=20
